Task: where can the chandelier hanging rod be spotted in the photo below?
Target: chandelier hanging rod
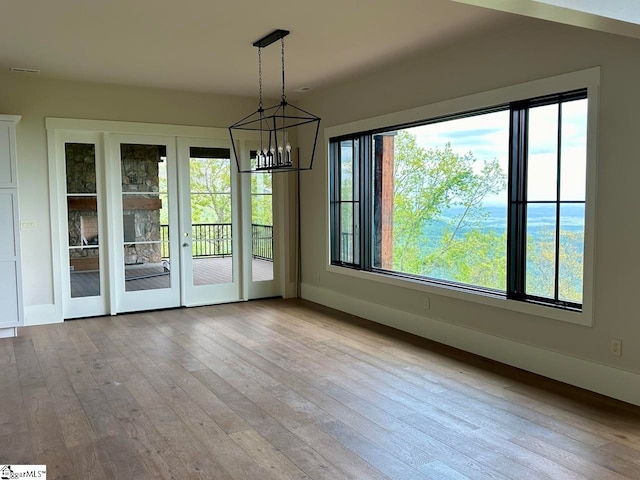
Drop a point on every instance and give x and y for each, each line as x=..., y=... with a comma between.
x=272, y=37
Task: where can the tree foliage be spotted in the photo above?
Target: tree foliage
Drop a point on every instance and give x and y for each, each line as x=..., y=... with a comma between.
x=261, y=199
x=210, y=190
x=210, y=185
x=428, y=183
x=440, y=225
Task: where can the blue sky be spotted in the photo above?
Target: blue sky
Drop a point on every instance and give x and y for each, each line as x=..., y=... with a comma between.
x=487, y=137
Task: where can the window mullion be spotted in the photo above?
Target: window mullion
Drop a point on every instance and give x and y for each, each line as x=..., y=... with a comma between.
x=556, y=287
x=335, y=202
x=365, y=161
x=517, y=214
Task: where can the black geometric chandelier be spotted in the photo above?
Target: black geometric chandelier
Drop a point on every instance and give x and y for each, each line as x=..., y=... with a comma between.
x=273, y=123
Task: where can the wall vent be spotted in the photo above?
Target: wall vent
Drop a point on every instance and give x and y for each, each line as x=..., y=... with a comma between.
x=25, y=70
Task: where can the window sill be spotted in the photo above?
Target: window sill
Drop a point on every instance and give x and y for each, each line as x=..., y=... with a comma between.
x=583, y=318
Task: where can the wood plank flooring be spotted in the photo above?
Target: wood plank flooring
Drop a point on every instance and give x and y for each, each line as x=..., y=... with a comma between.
x=275, y=389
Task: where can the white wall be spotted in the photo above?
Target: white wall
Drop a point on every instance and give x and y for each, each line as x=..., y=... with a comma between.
x=530, y=50
x=36, y=98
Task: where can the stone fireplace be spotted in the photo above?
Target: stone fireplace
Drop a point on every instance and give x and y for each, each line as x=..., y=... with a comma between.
x=141, y=202
x=82, y=212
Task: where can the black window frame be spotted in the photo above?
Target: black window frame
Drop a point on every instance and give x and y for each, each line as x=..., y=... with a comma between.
x=515, y=288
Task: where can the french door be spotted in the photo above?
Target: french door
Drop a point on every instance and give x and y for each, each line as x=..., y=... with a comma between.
x=144, y=222
x=210, y=227
x=156, y=222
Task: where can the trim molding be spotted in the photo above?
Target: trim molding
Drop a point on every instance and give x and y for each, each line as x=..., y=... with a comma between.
x=41, y=315
x=8, y=332
x=589, y=79
x=606, y=380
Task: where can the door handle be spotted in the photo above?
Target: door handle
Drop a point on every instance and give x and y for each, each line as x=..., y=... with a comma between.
x=185, y=244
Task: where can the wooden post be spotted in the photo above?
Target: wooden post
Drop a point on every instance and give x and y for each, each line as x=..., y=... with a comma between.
x=383, y=200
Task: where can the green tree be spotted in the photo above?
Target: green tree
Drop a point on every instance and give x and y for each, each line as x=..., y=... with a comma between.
x=261, y=199
x=541, y=264
x=210, y=190
x=427, y=184
x=432, y=238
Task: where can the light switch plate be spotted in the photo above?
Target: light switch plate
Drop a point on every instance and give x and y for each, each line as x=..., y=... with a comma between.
x=27, y=225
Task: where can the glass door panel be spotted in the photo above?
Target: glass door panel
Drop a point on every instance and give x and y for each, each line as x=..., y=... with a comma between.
x=261, y=227
x=211, y=226
x=82, y=220
x=259, y=223
x=147, y=264
x=209, y=218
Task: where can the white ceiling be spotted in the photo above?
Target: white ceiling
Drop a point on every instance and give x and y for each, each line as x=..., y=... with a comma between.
x=206, y=45
x=621, y=17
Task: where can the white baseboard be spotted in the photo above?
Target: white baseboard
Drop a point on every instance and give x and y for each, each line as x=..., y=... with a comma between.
x=8, y=332
x=599, y=378
x=41, y=315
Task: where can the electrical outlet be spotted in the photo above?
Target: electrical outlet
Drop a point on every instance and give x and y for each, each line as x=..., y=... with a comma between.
x=317, y=277
x=616, y=347
x=427, y=303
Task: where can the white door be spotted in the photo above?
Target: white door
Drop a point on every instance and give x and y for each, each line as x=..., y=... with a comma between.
x=144, y=222
x=210, y=232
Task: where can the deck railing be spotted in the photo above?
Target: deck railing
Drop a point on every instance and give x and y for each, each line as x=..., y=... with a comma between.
x=346, y=250
x=215, y=240
x=262, y=241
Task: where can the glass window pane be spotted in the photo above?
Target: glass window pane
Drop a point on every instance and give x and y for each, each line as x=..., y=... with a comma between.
x=541, y=250
x=80, y=167
x=440, y=200
x=261, y=227
x=571, y=252
x=573, y=175
x=356, y=233
x=145, y=217
x=211, y=231
x=84, y=253
x=84, y=266
x=83, y=220
x=355, y=174
x=346, y=232
x=346, y=170
x=542, y=166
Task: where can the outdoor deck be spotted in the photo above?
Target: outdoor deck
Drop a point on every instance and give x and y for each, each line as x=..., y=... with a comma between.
x=206, y=271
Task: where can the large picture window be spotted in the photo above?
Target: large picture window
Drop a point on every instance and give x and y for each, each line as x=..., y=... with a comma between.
x=489, y=200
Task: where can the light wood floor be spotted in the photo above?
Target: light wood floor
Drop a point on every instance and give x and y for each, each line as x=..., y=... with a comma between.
x=287, y=390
